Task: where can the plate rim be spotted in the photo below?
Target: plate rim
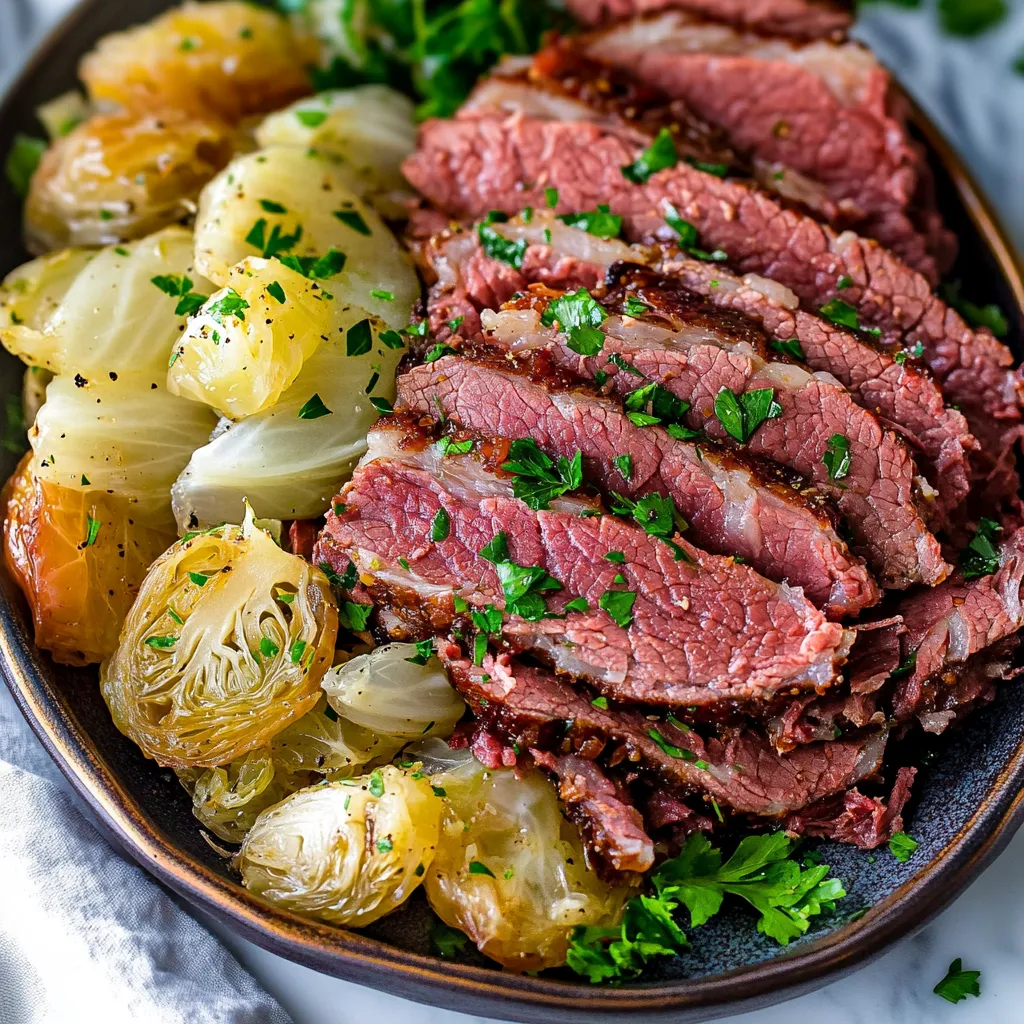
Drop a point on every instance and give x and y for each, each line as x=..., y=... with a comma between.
x=374, y=963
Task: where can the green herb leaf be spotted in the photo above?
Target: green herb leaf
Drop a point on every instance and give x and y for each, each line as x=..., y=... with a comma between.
x=845, y=315
x=479, y=868
x=790, y=347
x=437, y=352
x=497, y=247
x=578, y=604
x=440, y=528
x=447, y=942
x=741, y=415
x=538, y=480
x=317, y=268
x=376, y=785
x=634, y=307
x=619, y=605
x=92, y=531
x=275, y=290
x=449, y=446
x=229, y=304
x=579, y=316
x=22, y=160
x=958, y=984
x=990, y=316
x=314, y=409
x=268, y=648
x=296, y=651
x=354, y=617
x=359, y=338
x=970, y=17
x=902, y=846
x=392, y=339
x=551, y=197
x=837, y=457
x=523, y=585
x=661, y=153
x=424, y=652
x=624, y=464
x=981, y=556
x=161, y=642
x=688, y=237
x=353, y=219
x=599, y=222
x=382, y=405
x=271, y=207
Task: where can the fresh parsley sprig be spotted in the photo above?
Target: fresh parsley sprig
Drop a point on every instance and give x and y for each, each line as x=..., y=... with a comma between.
x=538, y=480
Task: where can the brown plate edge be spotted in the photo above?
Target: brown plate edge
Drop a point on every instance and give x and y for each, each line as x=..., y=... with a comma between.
x=469, y=989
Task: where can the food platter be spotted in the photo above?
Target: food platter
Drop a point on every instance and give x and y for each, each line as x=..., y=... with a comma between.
x=967, y=806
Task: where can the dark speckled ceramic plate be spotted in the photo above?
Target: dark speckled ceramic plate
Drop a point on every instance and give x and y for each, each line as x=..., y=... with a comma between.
x=967, y=803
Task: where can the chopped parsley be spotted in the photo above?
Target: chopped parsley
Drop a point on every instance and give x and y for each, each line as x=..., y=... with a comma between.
x=179, y=287
x=981, y=556
x=317, y=268
x=161, y=642
x=311, y=118
x=454, y=325
x=741, y=415
x=441, y=526
x=599, y=222
x=268, y=648
x=844, y=282
x=601, y=703
x=446, y=942
x=551, y=197
x=990, y=316
x=619, y=605
x=200, y=579
x=578, y=604
x=92, y=531
x=359, y=338
x=297, y=650
x=845, y=315
x=314, y=409
x=624, y=464
x=902, y=846
x=274, y=289
x=276, y=242
x=384, y=296
x=354, y=617
x=479, y=648
x=376, y=786
x=477, y=867
x=382, y=405
x=661, y=154
x=392, y=339
x=578, y=316
x=958, y=984
x=656, y=514
x=22, y=160
x=449, y=446
x=837, y=457
x=385, y=845
x=615, y=556
x=498, y=247
x=718, y=170
x=652, y=404
x=437, y=352
x=229, y=304
x=909, y=353
x=424, y=652
x=634, y=307
x=538, y=479
x=523, y=585
x=353, y=219
x=271, y=207
x=688, y=237
x=790, y=347
x=907, y=665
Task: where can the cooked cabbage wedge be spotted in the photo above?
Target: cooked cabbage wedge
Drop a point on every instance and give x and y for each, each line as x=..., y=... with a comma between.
x=390, y=695
x=228, y=58
x=510, y=871
x=241, y=362
x=345, y=852
x=100, y=314
x=290, y=460
x=80, y=557
x=122, y=176
x=292, y=203
x=127, y=436
x=33, y=392
x=224, y=647
x=228, y=800
x=371, y=128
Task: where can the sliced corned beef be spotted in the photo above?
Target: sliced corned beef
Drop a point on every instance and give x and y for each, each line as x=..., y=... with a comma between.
x=802, y=19
x=612, y=828
x=731, y=509
x=506, y=162
x=657, y=622
x=466, y=280
x=695, y=352
x=819, y=111
x=533, y=708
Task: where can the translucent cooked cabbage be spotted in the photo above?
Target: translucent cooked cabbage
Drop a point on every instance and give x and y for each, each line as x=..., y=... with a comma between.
x=345, y=852
x=510, y=871
x=228, y=58
x=79, y=557
x=100, y=314
x=240, y=363
x=372, y=128
x=385, y=692
x=126, y=436
x=228, y=800
x=224, y=647
x=291, y=202
x=290, y=460
x=122, y=176
x=33, y=392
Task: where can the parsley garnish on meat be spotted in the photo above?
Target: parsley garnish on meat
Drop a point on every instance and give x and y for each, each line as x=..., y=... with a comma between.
x=958, y=984
x=656, y=514
x=981, y=556
x=902, y=846
x=761, y=871
x=619, y=605
x=990, y=316
x=635, y=307
x=718, y=170
x=179, y=287
x=498, y=247
x=578, y=316
x=790, y=347
x=624, y=464
x=741, y=415
x=599, y=222
x=909, y=353
x=837, y=457
x=523, y=585
x=845, y=315
x=424, y=652
x=907, y=665
x=449, y=446
x=661, y=154
x=688, y=237
x=441, y=527
x=652, y=404
x=537, y=478
x=354, y=617
x=437, y=352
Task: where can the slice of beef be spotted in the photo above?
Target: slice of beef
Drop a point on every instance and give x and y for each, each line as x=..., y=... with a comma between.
x=731, y=509
x=802, y=19
x=821, y=112
x=533, y=708
x=854, y=818
x=694, y=352
x=466, y=280
x=686, y=628
x=507, y=161
x=612, y=828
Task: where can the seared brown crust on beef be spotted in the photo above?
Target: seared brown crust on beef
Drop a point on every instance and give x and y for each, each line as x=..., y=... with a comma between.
x=701, y=628
x=820, y=113
x=505, y=162
x=731, y=509
x=694, y=351
x=612, y=828
x=802, y=19
x=534, y=708
x=902, y=396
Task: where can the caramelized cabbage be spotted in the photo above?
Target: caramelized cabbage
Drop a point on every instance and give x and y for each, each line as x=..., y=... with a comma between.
x=510, y=871
x=371, y=128
x=79, y=557
x=289, y=202
x=290, y=460
x=126, y=436
x=224, y=647
x=228, y=58
x=344, y=852
x=385, y=692
x=122, y=176
x=241, y=363
x=100, y=314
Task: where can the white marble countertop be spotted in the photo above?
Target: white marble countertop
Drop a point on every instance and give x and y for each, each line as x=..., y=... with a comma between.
x=968, y=88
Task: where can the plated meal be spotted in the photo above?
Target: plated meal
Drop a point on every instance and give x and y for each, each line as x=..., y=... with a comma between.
x=533, y=460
